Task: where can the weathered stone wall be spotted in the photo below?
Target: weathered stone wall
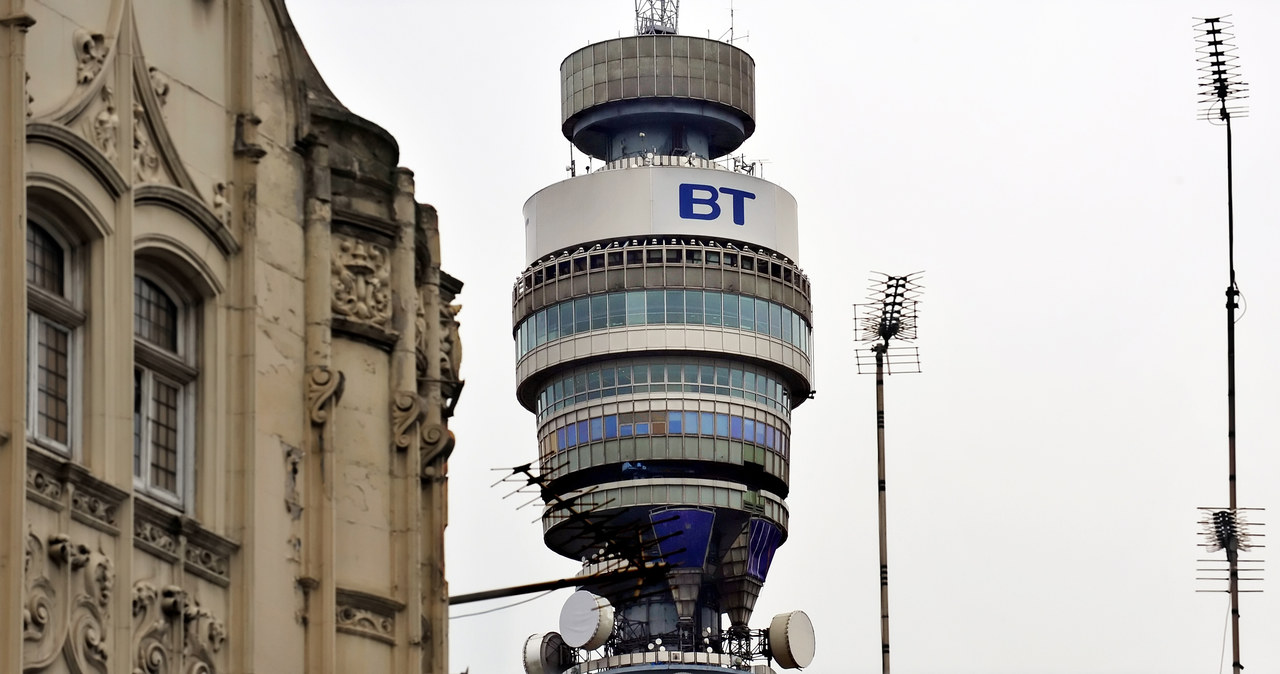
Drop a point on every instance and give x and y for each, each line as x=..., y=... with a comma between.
x=316, y=357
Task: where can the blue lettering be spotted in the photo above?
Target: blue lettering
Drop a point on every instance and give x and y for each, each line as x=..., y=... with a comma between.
x=688, y=201
x=705, y=197
x=739, y=203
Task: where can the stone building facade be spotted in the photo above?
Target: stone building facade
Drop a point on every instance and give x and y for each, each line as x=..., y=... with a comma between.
x=228, y=354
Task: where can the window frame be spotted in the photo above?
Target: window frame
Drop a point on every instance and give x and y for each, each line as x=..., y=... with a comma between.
x=177, y=369
x=62, y=312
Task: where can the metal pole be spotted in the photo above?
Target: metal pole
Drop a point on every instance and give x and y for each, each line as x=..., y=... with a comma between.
x=1232, y=294
x=879, y=350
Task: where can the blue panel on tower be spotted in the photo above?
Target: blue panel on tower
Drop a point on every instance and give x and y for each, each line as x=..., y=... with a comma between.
x=684, y=535
x=763, y=542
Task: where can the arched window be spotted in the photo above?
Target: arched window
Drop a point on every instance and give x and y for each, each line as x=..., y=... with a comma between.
x=53, y=342
x=163, y=405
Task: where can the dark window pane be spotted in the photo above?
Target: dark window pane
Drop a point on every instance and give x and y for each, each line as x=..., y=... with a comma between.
x=635, y=307
x=748, y=313
x=693, y=307
x=164, y=436
x=655, y=307
x=762, y=317
x=735, y=428
x=610, y=427
x=581, y=315
x=617, y=309
x=566, y=319
x=599, y=312
x=553, y=324
x=673, y=423
x=730, y=311
x=675, y=306
x=45, y=259
x=155, y=316
x=52, y=383
x=137, y=423
x=712, y=301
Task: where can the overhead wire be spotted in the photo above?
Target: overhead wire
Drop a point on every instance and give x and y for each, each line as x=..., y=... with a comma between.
x=499, y=608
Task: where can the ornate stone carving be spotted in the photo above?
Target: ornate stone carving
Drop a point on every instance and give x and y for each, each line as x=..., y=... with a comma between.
x=450, y=343
x=246, y=135
x=39, y=648
x=207, y=559
x=154, y=536
x=156, y=614
x=422, y=336
x=406, y=410
x=221, y=205
x=94, y=507
x=87, y=634
x=76, y=626
x=39, y=482
x=203, y=638
x=152, y=648
x=91, y=54
x=104, y=124
x=65, y=553
x=159, y=85
x=324, y=386
x=437, y=444
x=366, y=622
x=361, y=281
x=146, y=160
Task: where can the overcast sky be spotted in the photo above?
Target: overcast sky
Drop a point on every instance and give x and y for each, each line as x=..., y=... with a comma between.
x=1042, y=163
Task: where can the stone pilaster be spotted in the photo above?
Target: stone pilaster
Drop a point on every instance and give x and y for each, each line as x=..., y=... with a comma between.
x=14, y=23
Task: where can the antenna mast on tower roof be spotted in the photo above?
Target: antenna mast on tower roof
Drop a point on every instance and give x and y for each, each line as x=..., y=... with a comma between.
x=657, y=17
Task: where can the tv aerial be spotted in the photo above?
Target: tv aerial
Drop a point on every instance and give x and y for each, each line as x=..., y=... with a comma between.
x=889, y=314
x=1226, y=529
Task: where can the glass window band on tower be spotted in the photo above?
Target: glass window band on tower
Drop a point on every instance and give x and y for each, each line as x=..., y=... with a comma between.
x=671, y=307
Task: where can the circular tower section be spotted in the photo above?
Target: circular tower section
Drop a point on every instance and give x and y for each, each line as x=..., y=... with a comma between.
x=663, y=333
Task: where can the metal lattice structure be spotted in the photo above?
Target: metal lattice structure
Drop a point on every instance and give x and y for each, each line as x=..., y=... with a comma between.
x=657, y=17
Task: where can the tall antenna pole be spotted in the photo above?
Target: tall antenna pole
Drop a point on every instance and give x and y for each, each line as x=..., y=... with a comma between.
x=1220, y=85
x=889, y=314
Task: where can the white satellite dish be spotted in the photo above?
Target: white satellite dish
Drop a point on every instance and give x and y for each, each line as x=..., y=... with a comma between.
x=791, y=639
x=542, y=654
x=586, y=621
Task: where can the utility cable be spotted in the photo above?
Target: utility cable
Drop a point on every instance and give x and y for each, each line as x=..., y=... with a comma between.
x=499, y=608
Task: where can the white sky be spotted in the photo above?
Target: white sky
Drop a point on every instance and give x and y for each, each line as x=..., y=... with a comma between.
x=1042, y=162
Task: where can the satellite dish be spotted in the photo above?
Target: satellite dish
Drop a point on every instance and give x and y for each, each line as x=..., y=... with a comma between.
x=586, y=621
x=791, y=639
x=542, y=654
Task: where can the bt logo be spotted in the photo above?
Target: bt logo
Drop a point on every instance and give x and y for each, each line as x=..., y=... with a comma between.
x=704, y=198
